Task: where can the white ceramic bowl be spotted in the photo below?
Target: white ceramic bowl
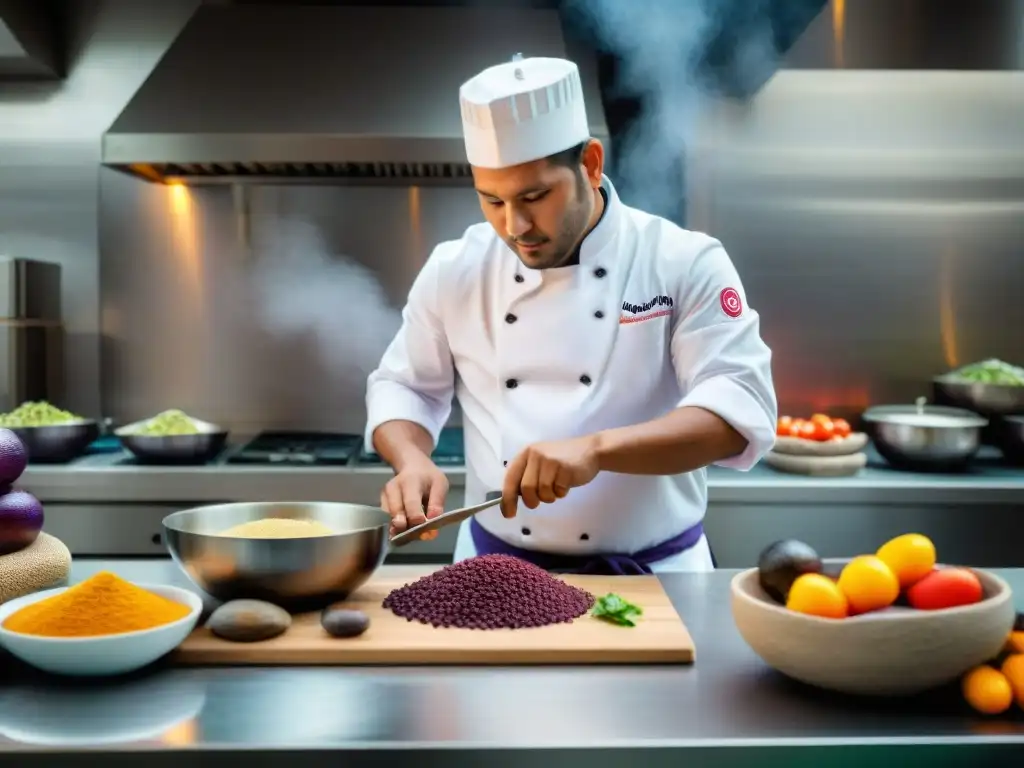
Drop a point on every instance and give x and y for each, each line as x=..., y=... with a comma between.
x=898, y=651
x=105, y=654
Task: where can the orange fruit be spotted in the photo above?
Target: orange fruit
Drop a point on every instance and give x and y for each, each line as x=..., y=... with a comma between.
x=1015, y=642
x=817, y=595
x=1013, y=669
x=987, y=690
x=910, y=556
x=869, y=584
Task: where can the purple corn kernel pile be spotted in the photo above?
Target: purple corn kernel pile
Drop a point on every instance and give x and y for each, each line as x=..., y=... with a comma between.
x=489, y=592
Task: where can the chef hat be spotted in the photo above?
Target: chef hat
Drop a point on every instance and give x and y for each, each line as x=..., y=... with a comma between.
x=521, y=111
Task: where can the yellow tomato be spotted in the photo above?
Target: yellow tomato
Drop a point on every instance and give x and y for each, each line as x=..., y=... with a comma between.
x=817, y=595
x=911, y=557
x=987, y=690
x=869, y=584
x=1013, y=670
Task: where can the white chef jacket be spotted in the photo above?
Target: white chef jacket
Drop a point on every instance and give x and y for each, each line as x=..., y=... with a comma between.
x=653, y=317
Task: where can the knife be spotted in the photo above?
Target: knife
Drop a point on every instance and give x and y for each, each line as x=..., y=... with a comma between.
x=445, y=519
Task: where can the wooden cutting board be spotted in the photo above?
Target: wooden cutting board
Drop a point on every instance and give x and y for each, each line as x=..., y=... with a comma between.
x=659, y=637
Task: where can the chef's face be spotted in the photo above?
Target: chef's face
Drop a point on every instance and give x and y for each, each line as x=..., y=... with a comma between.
x=543, y=209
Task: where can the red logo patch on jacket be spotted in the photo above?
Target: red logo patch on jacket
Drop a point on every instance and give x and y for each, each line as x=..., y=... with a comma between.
x=731, y=302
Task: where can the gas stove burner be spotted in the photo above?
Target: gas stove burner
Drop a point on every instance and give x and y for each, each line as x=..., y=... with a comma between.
x=299, y=449
x=294, y=457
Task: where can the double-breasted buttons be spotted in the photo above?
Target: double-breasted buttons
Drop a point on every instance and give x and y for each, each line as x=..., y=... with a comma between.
x=599, y=314
x=600, y=272
x=510, y=318
x=520, y=278
x=511, y=383
x=526, y=531
x=584, y=537
x=585, y=380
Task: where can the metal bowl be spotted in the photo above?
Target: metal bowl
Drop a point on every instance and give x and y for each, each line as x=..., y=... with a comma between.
x=946, y=445
x=986, y=399
x=296, y=574
x=199, y=448
x=1011, y=439
x=57, y=443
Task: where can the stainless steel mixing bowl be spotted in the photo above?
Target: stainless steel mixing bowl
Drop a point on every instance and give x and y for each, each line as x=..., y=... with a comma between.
x=947, y=445
x=297, y=574
x=58, y=443
x=198, y=448
x=986, y=399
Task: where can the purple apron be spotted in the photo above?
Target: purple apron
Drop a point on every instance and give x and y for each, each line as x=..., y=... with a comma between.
x=486, y=543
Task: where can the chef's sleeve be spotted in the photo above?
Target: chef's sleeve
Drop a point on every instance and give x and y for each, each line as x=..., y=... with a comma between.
x=415, y=380
x=721, y=363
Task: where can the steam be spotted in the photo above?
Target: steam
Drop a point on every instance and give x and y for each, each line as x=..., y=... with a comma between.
x=662, y=46
x=304, y=290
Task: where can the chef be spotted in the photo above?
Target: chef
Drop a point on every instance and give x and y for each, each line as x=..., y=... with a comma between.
x=602, y=357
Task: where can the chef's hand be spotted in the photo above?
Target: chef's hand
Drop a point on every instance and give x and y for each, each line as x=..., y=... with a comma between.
x=544, y=472
x=413, y=495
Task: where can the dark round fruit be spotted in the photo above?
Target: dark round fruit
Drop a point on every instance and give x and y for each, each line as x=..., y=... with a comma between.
x=342, y=622
x=21, y=520
x=782, y=562
x=13, y=457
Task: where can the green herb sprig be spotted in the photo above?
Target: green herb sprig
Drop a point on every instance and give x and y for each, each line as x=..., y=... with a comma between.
x=616, y=610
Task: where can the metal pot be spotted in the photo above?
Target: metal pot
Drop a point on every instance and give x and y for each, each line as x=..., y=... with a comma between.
x=199, y=448
x=58, y=443
x=986, y=399
x=923, y=437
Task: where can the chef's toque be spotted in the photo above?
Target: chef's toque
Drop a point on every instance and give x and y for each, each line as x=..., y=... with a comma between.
x=521, y=111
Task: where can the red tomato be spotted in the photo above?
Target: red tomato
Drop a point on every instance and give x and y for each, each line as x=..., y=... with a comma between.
x=823, y=430
x=820, y=418
x=841, y=427
x=806, y=430
x=945, y=588
x=783, y=426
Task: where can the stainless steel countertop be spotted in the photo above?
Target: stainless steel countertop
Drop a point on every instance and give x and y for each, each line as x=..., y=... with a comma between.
x=104, y=478
x=726, y=710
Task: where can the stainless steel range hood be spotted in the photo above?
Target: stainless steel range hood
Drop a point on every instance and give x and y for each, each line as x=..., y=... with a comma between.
x=748, y=42
x=306, y=93
x=913, y=34
x=28, y=41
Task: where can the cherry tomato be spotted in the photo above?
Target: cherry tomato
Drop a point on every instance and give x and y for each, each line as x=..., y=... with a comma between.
x=820, y=418
x=817, y=595
x=841, y=427
x=910, y=556
x=807, y=430
x=785, y=423
x=1013, y=669
x=823, y=430
x=946, y=588
x=987, y=690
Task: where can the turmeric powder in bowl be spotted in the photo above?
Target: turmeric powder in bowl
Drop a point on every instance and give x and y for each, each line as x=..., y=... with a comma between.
x=104, y=604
